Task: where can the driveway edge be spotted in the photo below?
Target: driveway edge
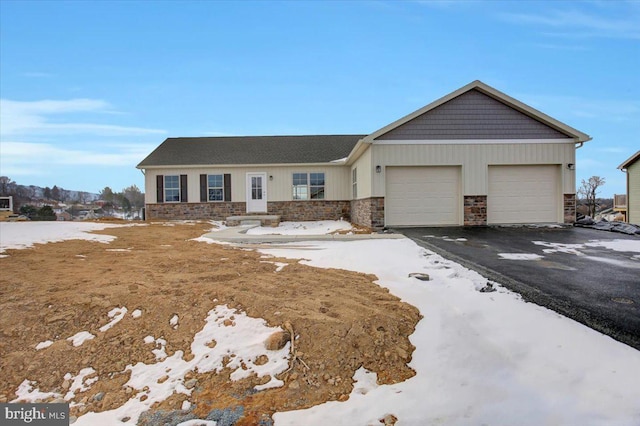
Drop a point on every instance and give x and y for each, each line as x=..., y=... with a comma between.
x=534, y=295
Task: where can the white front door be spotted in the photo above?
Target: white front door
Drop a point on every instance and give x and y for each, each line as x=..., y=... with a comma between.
x=256, y=192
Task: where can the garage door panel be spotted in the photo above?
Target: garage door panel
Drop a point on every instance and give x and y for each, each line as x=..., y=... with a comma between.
x=523, y=194
x=421, y=196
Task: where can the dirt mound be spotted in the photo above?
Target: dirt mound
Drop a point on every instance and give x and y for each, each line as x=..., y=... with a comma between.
x=51, y=292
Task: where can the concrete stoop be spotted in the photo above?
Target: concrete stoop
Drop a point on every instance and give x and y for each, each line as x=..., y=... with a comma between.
x=255, y=220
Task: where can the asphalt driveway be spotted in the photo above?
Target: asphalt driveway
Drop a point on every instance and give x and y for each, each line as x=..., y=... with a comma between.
x=569, y=270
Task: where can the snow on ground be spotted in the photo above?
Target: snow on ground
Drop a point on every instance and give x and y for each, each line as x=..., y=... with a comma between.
x=80, y=337
x=116, y=315
x=320, y=227
x=228, y=335
x=632, y=246
x=480, y=358
x=520, y=256
x=44, y=345
x=21, y=235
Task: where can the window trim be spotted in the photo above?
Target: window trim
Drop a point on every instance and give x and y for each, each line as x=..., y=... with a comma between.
x=319, y=189
x=167, y=188
x=354, y=183
x=221, y=188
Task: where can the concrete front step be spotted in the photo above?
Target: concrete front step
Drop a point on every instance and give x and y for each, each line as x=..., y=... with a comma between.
x=256, y=219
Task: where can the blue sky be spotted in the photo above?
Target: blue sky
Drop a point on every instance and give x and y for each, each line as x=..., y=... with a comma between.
x=90, y=88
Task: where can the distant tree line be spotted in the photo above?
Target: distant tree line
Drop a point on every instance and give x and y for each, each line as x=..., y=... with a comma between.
x=24, y=194
x=130, y=199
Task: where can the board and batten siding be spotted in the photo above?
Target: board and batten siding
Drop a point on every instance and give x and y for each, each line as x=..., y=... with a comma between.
x=633, y=196
x=473, y=115
x=365, y=170
x=337, y=181
x=475, y=158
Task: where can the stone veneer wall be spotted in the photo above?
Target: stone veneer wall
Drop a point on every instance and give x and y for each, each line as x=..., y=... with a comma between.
x=310, y=210
x=368, y=212
x=475, y=210
x=569, y=208
x=288, y=210
x=193, y=211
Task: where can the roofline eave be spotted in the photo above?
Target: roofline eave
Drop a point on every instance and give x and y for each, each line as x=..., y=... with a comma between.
x=254, y=165
x=494, y=93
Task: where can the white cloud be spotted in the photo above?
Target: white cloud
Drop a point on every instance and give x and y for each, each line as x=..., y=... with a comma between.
x=34, y=155
x=33, y=117
x=576, y=23
x=612, y=110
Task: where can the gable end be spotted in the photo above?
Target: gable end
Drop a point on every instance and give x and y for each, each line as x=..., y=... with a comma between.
x=473, y=115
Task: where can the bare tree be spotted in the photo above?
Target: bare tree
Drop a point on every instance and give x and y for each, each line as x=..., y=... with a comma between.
x=588, y=191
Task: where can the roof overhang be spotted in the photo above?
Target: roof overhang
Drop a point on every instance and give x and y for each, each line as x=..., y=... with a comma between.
x=577, y=135
x=236, y=166
x=360, y=147
x=629, y=161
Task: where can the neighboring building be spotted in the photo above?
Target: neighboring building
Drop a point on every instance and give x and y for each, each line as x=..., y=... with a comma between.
x=6, y=204
x=473, y=157
x=632, y=168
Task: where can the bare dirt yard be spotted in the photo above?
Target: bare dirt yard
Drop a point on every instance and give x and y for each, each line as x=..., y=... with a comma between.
x=342, y=319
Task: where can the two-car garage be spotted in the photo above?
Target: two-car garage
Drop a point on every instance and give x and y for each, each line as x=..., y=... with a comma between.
x=432, y=196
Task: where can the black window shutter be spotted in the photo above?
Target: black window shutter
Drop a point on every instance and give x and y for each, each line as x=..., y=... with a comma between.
x=203, y=188
x=160, y=188
x=183, y=189
x=227, y=187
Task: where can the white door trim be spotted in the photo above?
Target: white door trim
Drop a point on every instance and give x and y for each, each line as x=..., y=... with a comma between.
x=256, y=200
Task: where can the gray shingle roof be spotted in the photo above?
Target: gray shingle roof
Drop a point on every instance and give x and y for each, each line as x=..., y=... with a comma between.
x=251, y=150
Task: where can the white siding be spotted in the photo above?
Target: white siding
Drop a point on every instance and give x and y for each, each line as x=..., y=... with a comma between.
x=365, y=171
x=633, y=197
x=474, y=160
x=337, y=181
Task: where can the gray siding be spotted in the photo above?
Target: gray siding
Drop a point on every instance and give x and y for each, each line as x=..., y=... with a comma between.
x=472, y=115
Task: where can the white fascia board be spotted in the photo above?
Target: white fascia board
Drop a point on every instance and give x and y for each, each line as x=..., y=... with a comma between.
x=629, y=161
x=234, y=166
x=472, y=141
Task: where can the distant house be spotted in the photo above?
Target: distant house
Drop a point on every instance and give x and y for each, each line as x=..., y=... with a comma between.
x=474, y=157
x=631, y=167
x=64, y=216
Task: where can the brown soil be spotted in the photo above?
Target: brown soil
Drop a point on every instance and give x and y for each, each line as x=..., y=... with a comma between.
x=55, y=290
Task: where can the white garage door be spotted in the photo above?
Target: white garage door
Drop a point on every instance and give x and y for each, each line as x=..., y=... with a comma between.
x=523, y=194
x=420, y=196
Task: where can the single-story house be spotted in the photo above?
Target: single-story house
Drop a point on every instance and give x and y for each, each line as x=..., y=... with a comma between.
x=473, y=157
x=632, y=167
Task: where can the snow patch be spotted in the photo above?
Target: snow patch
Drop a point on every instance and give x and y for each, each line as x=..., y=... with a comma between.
x=80, y=337
x=136, y=314
x=279, y=265
x=365, y=381
x=320, y=227
x=80, y=383
x=116, y=314
x=173, y=322
x=520, y=256
x=237, y=346
x=43, y=345
x=26, y=392
x=22, y=235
